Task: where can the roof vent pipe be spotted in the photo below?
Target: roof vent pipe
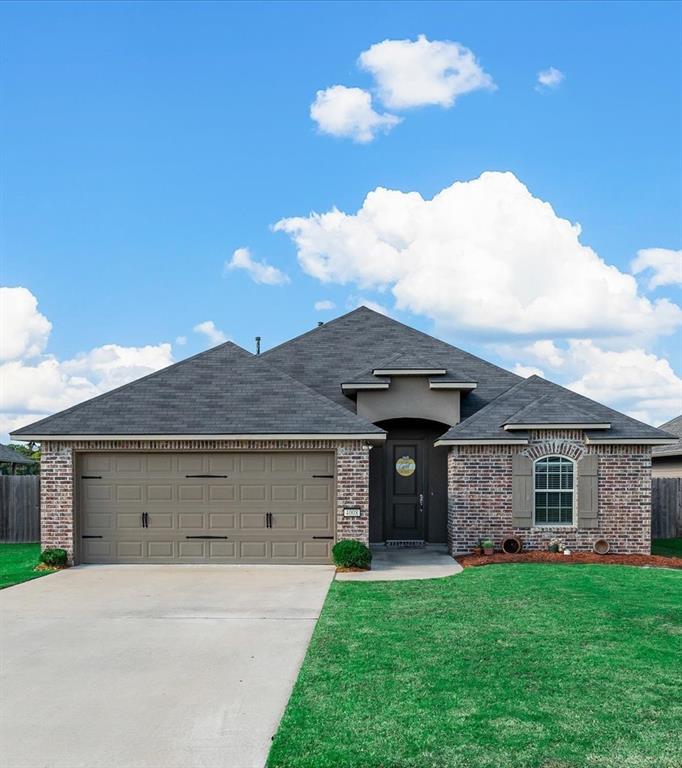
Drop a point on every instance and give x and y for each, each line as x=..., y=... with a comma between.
x=258, y=345
x=319, y=323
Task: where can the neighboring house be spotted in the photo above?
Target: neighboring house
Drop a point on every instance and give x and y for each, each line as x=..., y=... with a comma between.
x=11, y=459
x=361, y=428
x=666, y=460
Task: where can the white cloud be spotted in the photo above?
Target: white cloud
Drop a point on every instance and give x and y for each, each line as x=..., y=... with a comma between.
x=633, y=381
x=483, y=256
x=416, y=73
x=213, y=334
x=24, y=331
x=360, y=301
x=35, y=385
x=325, y=304
x=665, y=264
x=527, y=370
x=259, y=271
x=181, y=340
x=348, y=113
x=549, y=78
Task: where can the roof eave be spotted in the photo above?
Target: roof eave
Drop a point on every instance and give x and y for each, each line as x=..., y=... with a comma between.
x=557, y=425
x=378, y=436
x=480, y=441
x=628, y=441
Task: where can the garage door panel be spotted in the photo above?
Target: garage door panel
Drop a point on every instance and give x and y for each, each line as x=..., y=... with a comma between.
x=189, y=520
x=220, y=550
x=284, y=492
x=286, y=462
x=317, y=550
x=318, y=463
x=159, y=493
x=160, y=550
x=221, y=520
x=316, y=493
x=316, y=521
x=222, y=492
x=130, y=549
x=124, y=486
x=253, y=492
x=160, y=520
x=253, y=550
x=97, y=492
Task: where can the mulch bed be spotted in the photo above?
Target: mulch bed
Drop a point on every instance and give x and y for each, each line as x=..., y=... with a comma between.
x=46, y=567
x=656, y=561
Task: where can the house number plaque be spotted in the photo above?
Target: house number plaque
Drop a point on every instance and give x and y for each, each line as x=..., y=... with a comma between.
x=351, y=512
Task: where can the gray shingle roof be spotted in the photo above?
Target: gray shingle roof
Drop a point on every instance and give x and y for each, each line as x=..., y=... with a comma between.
x=674, y=427
x=551, y=409
x=223, y=391
x=10, y=456
x=357, y=343
x=545, y=399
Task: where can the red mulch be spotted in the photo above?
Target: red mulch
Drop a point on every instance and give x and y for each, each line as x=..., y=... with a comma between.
x=656, y=561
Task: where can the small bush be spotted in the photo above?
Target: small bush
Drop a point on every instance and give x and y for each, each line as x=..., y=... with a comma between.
x=54, y=556
x=351, y=554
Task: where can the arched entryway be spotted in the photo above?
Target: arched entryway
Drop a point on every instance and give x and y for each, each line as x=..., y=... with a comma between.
x=408, y=495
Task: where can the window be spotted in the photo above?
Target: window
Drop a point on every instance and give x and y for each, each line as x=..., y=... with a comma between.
x=553, y=491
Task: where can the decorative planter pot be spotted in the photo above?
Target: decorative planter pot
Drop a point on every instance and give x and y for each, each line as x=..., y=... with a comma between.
x=488, y=550
x=512, y=545
x=601, y=547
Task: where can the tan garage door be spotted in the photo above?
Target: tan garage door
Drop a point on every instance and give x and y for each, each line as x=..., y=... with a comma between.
x=206, y=507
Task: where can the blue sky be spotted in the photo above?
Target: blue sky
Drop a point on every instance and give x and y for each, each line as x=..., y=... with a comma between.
x=144, y=143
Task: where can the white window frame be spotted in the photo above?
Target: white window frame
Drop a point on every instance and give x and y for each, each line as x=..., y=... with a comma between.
x=572, y=523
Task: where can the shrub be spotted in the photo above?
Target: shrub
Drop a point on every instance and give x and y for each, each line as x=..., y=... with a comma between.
x=54, y=556
x=351, y=554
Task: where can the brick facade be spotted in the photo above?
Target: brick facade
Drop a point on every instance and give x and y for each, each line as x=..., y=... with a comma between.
x=58, y=476
x=480, y=494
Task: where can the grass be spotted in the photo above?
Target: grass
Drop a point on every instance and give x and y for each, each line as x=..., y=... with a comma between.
x=17, y=562
x=667, y=547
x=507, y=666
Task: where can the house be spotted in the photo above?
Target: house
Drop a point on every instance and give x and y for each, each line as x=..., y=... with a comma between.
x=10, y=459
x=361, y=428
x=666, y=460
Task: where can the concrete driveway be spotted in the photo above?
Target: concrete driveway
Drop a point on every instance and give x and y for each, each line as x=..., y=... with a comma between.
x=152, y=666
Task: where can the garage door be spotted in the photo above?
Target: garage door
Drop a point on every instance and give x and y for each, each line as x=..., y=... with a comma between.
x=206, y=507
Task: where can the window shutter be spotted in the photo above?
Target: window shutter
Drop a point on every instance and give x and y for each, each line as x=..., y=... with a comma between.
x=522, y=491
x=588, y=498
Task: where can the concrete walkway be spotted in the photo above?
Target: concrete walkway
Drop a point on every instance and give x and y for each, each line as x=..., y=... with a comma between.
x=406, y=565
x=152, y=666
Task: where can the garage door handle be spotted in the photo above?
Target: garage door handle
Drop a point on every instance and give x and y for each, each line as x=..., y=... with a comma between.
x=330, y=477
x=268, y=519
x=205, y=475
x=91, y=537
x=91, y=477
x=323, y=537
x=205, y=537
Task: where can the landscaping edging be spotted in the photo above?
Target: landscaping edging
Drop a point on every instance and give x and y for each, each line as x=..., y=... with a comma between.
x=576, y=558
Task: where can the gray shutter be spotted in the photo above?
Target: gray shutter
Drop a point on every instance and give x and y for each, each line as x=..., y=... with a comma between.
x=522, y=491
x=588, y=494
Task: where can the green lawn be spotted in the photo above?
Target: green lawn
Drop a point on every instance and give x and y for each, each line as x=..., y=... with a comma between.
x=506, y=666
x=17, y=562
x=667, y=547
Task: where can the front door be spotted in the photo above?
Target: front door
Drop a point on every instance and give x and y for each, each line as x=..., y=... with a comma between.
x=405, y=492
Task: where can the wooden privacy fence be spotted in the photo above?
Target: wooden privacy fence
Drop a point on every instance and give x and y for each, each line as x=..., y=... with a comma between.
x=666, y=507
x=19, y=508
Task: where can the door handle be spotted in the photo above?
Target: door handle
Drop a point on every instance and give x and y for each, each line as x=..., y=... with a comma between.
x=421, y=502
x=268, y=519
x=145, y=519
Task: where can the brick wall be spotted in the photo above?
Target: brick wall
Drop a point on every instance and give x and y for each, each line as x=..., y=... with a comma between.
x=480, y=494
x=58, y=466
x=56, y=497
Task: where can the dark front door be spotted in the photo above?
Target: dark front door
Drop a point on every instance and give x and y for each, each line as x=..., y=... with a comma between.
x=405, y=493
x=408, y=483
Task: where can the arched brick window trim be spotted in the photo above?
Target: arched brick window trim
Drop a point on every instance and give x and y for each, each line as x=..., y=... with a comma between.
x=555, y=448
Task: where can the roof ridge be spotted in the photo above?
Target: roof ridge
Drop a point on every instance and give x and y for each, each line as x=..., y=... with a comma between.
x=395, y=322
x=128, y=384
